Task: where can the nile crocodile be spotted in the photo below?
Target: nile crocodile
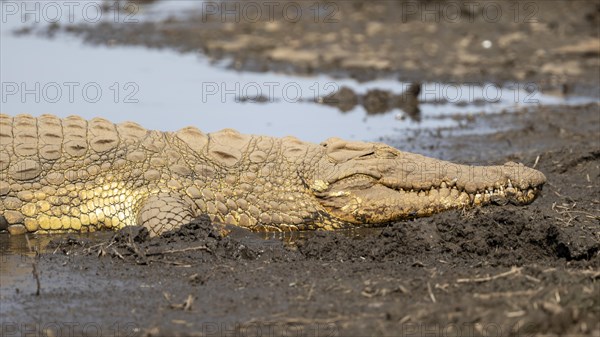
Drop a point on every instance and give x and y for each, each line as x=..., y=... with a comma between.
x=76, y=175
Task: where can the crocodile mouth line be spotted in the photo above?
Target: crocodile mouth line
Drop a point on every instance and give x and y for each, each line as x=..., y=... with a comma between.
x=499, y=193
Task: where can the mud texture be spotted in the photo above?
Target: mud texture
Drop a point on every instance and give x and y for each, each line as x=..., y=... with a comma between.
x=511, y=271
x=495, y=271
x=554, y=44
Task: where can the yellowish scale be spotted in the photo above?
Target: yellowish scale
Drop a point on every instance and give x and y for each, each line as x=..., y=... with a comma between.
x=103, y=207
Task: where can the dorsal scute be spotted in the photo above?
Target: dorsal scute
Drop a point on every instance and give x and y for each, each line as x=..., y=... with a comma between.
x=6, y=131
x=229, y=133
x=193, y=137
x=293, y=148
x=292, y=140
x=74, y=119
x=103, y=135
x=97, y=124
x=75, y=131
x=227, y=146
x=50, y=129
x=48, y=117
x=50, y=137
x=25, y=135
x=131, y=132
x=340, y=150
x=24, y=119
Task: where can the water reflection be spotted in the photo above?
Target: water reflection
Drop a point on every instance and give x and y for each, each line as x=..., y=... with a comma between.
x=377, y=101
x=165, y=90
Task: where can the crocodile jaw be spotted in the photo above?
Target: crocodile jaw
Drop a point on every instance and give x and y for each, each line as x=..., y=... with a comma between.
x=360, y=198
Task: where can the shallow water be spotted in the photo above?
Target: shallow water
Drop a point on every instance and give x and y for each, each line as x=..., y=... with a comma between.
x=16, y=259
x=166, y=90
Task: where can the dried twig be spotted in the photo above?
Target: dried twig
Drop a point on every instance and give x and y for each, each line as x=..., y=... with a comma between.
x=36, y=275
x=326, y=322
x=431, y=293
x=185, y=306
x=34, y=270
x=310, y=291
x=28, y=243
x=204, y=248
x=512, y=271
x=488, y=296
x=115, y=252
x=537, y=159
x=533, y=279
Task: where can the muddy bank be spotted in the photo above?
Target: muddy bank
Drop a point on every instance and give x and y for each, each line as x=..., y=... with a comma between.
x=503, y=271
x=554, y=44
x=508, y=270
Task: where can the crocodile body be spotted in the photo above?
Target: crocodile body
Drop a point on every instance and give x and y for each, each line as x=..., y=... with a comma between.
x=73, y=174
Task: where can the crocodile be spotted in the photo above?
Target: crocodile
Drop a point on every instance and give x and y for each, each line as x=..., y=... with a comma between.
x=80, y=175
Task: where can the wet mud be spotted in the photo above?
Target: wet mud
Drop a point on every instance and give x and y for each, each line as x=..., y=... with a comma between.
x=518, y=271
x=553, y=44
x=498, y=270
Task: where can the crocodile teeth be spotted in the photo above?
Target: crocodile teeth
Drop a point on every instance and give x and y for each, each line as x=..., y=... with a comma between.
x=510, y=184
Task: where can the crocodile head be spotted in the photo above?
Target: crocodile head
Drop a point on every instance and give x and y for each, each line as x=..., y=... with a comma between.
x=375, y=183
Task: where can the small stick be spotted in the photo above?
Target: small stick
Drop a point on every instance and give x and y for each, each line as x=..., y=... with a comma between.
x=28, y=243
x=180, y=250
x=36, y=275
x=187, y=305
x=490, y=278
x=533, y=279
x=175, y=263
x=537, y=159
x=487, y=296
x=118, y=254
x=34, y=270
x=431, y=292
x=310, y=291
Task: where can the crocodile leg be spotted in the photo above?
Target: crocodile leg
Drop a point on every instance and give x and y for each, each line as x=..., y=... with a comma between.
x=164, y=212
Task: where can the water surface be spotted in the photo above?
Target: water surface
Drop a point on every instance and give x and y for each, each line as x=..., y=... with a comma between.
x=166, y=90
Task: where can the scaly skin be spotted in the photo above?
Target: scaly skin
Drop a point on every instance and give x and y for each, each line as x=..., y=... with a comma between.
x=76, y=175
